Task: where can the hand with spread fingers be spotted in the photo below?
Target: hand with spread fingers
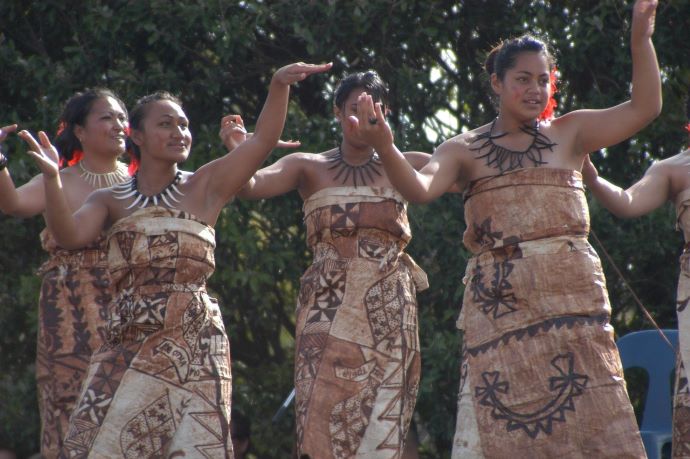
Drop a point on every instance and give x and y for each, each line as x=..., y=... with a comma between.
x=233, y=133
x=370, y=123
x=43, y=152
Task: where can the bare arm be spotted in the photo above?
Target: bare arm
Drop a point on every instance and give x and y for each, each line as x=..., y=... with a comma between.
x=279, y=178
x=649, y=193
x=25, y=201
x=434, y=179
x=624, y=120
x=70, y=231
x=229, y=173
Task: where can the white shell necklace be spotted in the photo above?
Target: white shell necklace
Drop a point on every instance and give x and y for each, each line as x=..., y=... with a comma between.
x=104, y=179
x=167, y=196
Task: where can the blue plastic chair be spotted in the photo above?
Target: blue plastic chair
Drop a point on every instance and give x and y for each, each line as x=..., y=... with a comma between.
x=647, y=350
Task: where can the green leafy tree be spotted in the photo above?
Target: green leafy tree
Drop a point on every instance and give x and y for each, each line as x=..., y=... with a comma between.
x=219, y=56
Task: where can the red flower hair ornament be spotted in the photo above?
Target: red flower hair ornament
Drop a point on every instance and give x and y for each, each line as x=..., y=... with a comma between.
x=548, y=113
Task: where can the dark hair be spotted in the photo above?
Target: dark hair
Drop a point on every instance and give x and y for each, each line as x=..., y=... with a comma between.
x=136, y=118
x=370, y=81
x=75, y=112
x=502, y=57
x=687, y=108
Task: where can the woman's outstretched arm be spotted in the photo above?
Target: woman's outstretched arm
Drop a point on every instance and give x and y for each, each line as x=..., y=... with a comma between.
x=596, y=129
x=70, y=231
x=649, y=193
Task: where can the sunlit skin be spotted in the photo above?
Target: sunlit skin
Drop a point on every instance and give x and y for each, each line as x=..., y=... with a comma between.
x=103, y=134
x=103, y=141
x=523, y=95
x=308, y=172
x=164, y=140
x=525, y=88
x=165, y=134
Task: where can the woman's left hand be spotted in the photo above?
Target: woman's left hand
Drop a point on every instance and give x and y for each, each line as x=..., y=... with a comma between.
x=370, y=123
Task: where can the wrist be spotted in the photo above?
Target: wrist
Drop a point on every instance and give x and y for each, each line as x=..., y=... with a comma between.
x=3, y=162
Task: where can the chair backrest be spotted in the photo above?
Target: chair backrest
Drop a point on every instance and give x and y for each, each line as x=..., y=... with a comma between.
x=647, y=350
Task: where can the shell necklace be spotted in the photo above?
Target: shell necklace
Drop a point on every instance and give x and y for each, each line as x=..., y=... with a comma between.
x=166, y=196
x=104, y=179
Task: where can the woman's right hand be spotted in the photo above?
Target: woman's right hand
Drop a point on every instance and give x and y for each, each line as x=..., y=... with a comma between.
x=44, y=153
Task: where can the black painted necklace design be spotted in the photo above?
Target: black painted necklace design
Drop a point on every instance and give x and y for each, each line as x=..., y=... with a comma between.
x=364, y=172
x=167, y=196
x=505, y=160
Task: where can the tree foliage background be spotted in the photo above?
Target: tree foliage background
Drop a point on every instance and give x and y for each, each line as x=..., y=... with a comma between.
x=219, y=56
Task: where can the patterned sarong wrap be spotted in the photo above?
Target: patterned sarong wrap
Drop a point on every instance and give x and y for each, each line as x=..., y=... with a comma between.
x=681, y=402
x=72, y=313
x=357, y=362
x=160, y=386
x=540, y=373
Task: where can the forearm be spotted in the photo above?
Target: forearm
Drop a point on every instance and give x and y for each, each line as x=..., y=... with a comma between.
x=646, y=80
x=271, y=120
x=614, y=198
x=411, y=184
x=9, y=199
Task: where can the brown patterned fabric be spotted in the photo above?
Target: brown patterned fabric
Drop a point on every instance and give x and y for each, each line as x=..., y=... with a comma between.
x=72, y=312
x=681, y=401
x=357, y=362
x=160, y=385
x=540, y=372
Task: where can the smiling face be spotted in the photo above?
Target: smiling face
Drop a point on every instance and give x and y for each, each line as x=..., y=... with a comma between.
x=164, y=132
x=525, y=88
x=103, y=131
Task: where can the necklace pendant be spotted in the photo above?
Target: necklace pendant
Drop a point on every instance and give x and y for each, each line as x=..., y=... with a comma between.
x=129, y=189
x=362, y=174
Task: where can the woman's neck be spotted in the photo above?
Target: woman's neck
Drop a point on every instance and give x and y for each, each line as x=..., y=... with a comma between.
x=153, y=177
x=99, y=164
x=356, y=155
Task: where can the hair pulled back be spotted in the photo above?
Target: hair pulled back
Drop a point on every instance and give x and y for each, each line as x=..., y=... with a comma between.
x=503, y=56
x=74, y=114
x=370, y=81
x=139, y=112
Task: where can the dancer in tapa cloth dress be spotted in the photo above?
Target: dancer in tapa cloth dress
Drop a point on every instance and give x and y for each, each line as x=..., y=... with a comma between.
x=75, y=290
x=357, y=366
x=540, y=373
x=72, y=313
x=166, y=347
x=160, y=386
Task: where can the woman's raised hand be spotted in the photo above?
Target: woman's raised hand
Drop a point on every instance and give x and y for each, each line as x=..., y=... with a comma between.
x=298, y=71
x=44, y=153
x=644, y=16
x=371, y=124
x=233, y=133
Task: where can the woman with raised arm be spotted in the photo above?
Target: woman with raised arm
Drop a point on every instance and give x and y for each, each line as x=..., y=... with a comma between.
x=357, y=361
x=75, y=289
x=160, y=385
x=540, y=373
x=666, y=180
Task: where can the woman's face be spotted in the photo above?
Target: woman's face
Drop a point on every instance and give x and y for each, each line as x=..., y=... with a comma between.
x=525, y=88
x=104, y=128
x=164, y=132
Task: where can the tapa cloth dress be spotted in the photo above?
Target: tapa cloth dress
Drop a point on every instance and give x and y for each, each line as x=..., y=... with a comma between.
x=540, y=372
x=357, y=363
